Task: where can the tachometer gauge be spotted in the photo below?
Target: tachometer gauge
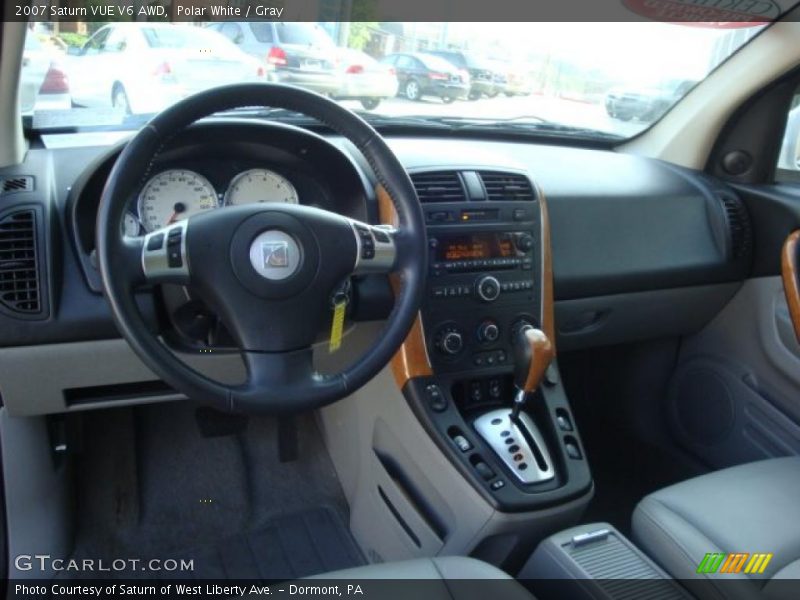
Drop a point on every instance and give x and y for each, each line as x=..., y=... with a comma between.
x=130, y=225
x=174, y=195
x=260, y=185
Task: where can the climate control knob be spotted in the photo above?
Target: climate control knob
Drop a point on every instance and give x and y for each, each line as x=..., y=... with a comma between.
x=487, y=288
x=488, y=332
x=451, y=343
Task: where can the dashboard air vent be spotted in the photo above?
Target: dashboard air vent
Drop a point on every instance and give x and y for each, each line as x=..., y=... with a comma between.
x=506, y=186
x=19, y=272
x=738, y=224
x=22, y=183
x=439, y=186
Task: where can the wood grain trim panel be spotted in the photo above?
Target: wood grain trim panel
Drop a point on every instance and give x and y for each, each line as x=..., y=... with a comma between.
x=789, y=274
x=412, y=359
x=548, y=301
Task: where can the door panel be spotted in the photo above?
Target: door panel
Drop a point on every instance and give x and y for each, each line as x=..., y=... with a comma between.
x=735, y=396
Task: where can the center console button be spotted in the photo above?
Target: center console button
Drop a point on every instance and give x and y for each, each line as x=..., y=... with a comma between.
x=488, y=332
x=436, y=399
x=462, y=443
x=451, y=343
x=487, y=288
x=484, y=470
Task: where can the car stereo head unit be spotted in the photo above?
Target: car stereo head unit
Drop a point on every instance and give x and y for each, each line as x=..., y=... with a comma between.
x=482, y=250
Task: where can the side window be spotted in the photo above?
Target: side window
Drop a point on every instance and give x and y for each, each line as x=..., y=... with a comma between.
x=789, y=156
x=233, y=32
x=115, y=42
x=405, y=62
x=262, y=31
x=96, y=41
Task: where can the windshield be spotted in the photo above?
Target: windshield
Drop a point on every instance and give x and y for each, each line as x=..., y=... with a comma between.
x=605, y=80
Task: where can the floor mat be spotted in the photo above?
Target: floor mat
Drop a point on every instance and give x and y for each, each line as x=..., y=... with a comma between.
x=299, y=545
x=151, y=483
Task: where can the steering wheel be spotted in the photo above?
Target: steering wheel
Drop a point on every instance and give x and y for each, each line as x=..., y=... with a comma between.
x=268, y=270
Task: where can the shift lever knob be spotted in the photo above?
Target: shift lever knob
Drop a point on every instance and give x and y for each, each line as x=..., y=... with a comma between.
x=533, y=353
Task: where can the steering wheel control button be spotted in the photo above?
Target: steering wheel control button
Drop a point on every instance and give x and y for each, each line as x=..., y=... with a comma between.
x=436, y=399
x=275, y=255
x=164, y=254
x=376, y=248
x=155, y=242
x=174, y=255
x=497, y=485
x=487, y=288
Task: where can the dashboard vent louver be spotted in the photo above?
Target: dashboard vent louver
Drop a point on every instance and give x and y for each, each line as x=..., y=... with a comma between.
x=738, y=224
x=19, y=263
x=506, y=186
x=439, y=186
x=22, y=183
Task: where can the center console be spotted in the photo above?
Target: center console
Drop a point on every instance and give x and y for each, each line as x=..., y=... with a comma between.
x=489, y=283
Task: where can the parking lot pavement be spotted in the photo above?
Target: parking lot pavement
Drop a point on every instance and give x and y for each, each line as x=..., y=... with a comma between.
x=559, y=110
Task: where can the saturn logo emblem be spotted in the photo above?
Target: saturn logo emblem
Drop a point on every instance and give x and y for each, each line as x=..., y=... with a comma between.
x=276, y=254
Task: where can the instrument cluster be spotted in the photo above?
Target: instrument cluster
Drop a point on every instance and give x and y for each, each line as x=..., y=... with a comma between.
x=176, y=194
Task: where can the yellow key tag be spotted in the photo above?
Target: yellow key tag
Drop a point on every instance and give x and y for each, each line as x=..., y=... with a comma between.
x=337, y=326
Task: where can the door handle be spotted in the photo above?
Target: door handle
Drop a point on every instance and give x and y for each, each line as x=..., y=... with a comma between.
x=790, y=274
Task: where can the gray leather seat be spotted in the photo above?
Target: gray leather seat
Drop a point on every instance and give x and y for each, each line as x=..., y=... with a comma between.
x=444, y=577
x=752, y=508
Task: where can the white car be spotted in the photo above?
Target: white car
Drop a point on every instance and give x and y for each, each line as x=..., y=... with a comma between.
x=365, y=79
x=142, y=68
x=43, y=83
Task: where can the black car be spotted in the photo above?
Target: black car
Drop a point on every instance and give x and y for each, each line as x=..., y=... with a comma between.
x=645, y=104
x=483, y=78
x=421, y=74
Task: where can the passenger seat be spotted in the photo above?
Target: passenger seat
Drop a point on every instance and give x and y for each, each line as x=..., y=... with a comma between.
x=752, y=508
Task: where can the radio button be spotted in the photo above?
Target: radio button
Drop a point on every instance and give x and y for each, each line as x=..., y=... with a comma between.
x=524, y=242
x=487, y=288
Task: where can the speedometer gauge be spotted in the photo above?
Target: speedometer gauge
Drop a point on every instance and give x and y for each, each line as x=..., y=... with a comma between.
x=174, y=195
x=260, y=185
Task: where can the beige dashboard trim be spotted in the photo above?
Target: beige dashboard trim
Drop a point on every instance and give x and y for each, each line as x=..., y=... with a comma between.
x=33, y=378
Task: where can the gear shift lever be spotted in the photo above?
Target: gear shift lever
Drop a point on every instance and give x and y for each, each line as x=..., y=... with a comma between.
x=533, y=353
x=514, y=436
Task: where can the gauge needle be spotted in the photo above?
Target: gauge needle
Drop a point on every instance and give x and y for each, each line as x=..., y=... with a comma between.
x=172, y=218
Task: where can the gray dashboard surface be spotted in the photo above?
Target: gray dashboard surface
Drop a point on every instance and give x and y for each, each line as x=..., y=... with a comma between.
x=620, y=224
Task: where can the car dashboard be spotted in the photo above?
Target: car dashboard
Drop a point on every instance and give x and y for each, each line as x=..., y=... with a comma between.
x=639, y=249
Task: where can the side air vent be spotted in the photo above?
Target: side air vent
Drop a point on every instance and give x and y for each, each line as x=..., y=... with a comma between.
x=506, y=186
x=439, y=186
x=738, y=224
x=19, y=263
x=22, y=183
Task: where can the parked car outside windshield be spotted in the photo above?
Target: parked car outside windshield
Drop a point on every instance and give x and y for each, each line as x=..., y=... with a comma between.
x=145, y=67
x=595, y=80
x=300, y=54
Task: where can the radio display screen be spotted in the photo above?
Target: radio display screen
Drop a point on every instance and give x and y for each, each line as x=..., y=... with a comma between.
x=474, y=246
